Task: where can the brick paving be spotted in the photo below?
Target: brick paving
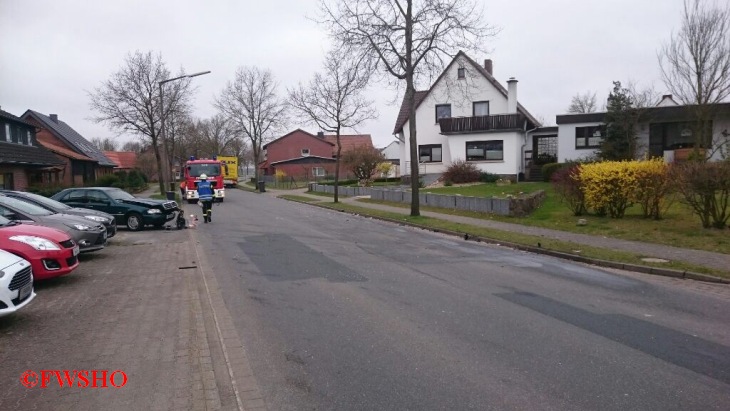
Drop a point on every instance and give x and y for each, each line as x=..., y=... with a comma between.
x=130, y=307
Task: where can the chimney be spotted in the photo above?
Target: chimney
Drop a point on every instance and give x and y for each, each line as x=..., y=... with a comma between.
x=54, y=118
x=488, y=66
x=511, y=95
x=320, y=134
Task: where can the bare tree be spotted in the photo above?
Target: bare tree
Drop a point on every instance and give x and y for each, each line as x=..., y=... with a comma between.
x=104, y=144
x=253, y=108
x=135, y=146
x=695, y=63
x=408, y=40
x=129, y=100
x=583, y=103
x=333, y=100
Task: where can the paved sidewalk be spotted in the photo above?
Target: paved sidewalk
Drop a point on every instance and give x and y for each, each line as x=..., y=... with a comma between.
x=144, y=305
x=709, y=259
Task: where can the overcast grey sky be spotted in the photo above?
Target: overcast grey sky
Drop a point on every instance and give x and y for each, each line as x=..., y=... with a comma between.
x=54, y=51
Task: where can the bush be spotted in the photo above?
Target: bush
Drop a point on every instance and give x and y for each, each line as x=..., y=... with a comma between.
x=609, y=187
x=108, y=180
x=567, y=184
x=135, y=180
x=486, y=177
x=545, y=158
x=705, y=187
x=462, y=172
x=549, y=169
x=652, y=187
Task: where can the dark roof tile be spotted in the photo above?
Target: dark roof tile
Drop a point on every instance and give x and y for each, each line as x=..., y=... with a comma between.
x=12, y=153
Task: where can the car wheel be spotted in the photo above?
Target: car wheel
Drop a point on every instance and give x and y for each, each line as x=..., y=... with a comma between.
x=135, y=222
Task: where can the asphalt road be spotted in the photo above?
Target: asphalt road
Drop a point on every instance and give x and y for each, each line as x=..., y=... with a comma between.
x=339, y=312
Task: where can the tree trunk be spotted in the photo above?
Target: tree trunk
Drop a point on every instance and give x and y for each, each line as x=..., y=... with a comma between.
x=337, y=165
x=411, y=101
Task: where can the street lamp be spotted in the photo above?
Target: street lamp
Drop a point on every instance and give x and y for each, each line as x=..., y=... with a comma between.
x=162, y=125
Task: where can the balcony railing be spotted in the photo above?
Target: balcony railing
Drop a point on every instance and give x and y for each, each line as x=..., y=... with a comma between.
x=477, y=124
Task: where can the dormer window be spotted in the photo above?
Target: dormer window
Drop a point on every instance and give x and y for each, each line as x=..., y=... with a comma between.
x=461, y=73
x=305, y=152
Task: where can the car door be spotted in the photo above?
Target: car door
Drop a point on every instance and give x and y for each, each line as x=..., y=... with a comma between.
x=99, y=200
x=14, y=215
x=75, y=198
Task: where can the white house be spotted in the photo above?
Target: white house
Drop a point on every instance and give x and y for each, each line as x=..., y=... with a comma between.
x=468, y=115
x=666, y=130
x=392, y=155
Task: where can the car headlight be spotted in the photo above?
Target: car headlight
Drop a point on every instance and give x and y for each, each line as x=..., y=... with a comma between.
x=96, y=218
x=153, y=211
x=80, y=227
x=39, y=243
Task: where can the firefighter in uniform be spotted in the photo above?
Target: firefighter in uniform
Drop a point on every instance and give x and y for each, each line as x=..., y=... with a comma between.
x=205, y=194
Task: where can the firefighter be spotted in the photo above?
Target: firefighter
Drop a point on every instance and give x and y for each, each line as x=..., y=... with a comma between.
x=205, y=193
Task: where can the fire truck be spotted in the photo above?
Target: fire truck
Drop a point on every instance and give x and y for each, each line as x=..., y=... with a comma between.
x=213, y=168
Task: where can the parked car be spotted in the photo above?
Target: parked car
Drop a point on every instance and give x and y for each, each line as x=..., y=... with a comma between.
x=51, y=252
x=89, y=235
x=108, y=220
x=16, y=283
x=131, y=211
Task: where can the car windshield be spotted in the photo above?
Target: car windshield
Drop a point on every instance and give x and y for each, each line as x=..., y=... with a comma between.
x=45, y=202
x=24, y=207
x=119, y=194
x=211, y=170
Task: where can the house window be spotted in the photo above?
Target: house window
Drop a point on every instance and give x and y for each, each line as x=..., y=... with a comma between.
x=430, y=153
x=443, y=111
x=480, y=108
x=318, y=172
x=6, y=137
x=6, y=181
x=24, y=136
x=29, y=138
x=14, y=131
x=305, y=152
x=589, y=137
x=484, y=150
x=461, y=73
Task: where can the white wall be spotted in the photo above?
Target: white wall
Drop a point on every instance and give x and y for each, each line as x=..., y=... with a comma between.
x=461, y=93
x=392, y=150
x=566, y=142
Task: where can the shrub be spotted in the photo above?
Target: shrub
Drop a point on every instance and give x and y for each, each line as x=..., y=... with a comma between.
x=652, y=187
x=705, y=187
x=486, y=177
x=108, y=180
x=122, y=175
x=609, y=187
x=135, y=180
x=461, y=172
x=448, y=183
x=548, y=170
x=567, y=184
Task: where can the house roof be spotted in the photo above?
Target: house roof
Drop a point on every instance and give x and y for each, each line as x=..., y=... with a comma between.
x=290, y=133
x=661, y=113
x=421, y=95
x=123, y=159
x=403, y=113
x=74, y=140
x=304, y=159
x=63, y=151
x=4, y=114
x=12, y=153
x=349, y=141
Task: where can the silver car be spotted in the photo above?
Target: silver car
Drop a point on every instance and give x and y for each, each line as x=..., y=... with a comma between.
x=89, y=235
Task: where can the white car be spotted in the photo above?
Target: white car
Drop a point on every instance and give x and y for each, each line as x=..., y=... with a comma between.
x=16, y=283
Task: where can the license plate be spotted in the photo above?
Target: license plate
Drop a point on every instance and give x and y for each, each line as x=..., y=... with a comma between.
x=76, y=250
x=25, y=291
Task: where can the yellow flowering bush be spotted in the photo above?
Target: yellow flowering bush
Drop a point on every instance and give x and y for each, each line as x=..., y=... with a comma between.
x=609, y=186
x=279, y=175
x=652, y=186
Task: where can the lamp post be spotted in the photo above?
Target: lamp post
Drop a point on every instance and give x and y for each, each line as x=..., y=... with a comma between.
x=165, y=154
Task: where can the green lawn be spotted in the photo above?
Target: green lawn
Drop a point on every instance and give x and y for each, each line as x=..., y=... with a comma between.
x=679, y=227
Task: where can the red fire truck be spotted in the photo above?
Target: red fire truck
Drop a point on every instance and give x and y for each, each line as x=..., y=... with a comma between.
x=213, y=168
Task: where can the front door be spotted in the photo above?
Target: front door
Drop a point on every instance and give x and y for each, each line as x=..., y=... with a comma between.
x=544, y=149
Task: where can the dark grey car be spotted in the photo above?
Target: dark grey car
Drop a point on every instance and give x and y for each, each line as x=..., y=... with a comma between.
x=89, y=235
x=58, y=207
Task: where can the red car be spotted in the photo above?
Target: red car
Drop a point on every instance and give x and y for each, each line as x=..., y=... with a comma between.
x=51, y=252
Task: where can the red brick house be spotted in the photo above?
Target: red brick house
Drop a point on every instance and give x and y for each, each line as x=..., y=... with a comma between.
x=24, y=162
x=307, y=156
x=84, y=162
